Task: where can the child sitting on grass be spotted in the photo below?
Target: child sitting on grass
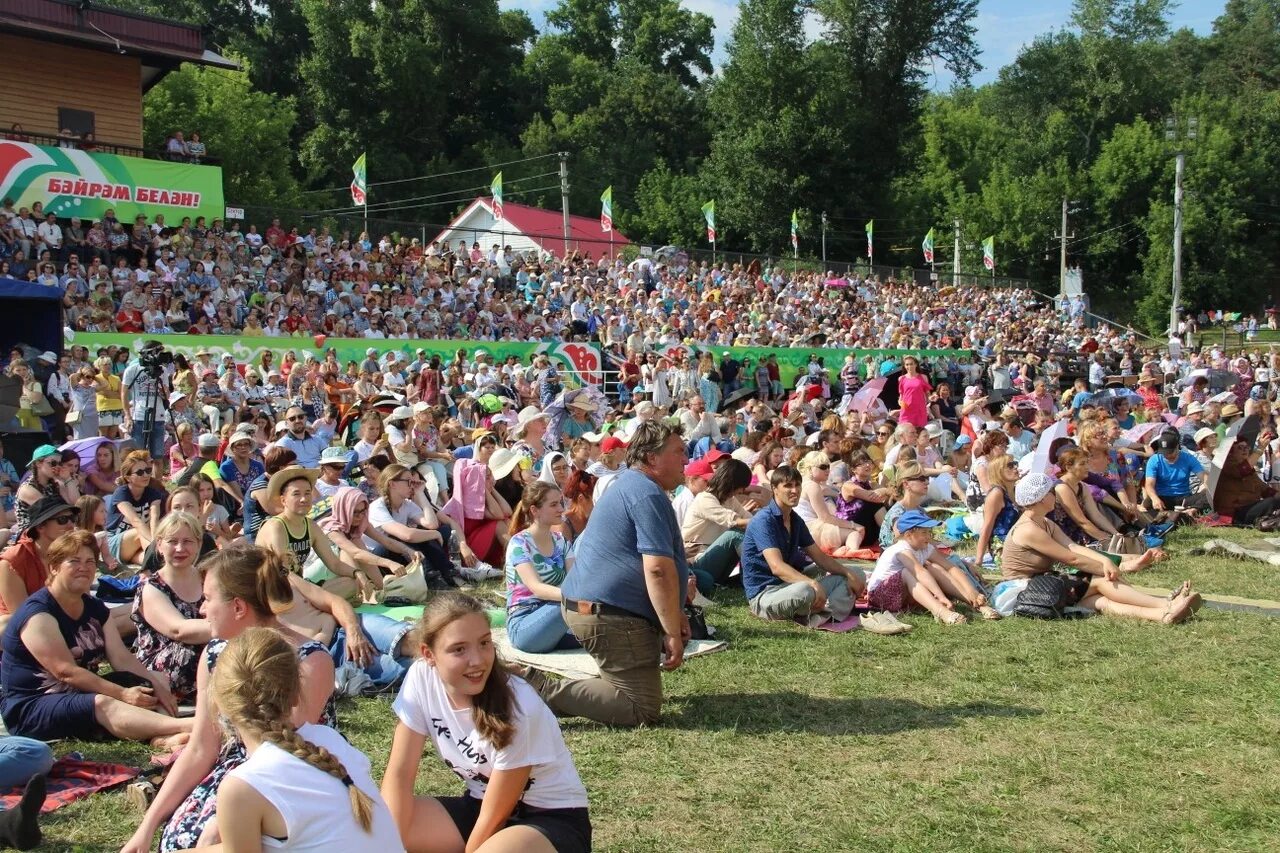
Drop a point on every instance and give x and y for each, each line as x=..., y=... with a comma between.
x=912, y=569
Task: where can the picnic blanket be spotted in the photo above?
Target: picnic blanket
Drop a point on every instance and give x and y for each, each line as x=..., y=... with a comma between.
x=73, y=779
x=1264, y=551
x=413, y=612
x=577, y=663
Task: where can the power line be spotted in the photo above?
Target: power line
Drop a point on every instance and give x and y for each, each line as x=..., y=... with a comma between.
x=437, y=174
x=444, y=203
x=455, y=195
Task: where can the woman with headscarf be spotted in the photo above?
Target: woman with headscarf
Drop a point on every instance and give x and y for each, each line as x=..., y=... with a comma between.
x=555, y=469
x=346, y=526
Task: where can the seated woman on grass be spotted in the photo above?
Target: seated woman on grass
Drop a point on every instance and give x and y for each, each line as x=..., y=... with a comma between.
x=828, y=530
x=1036, y=545
x=53, y=647
x=244, y=587
x=913, y=570
x=1076, y=512
x=522, y=791
x=302, y=787
x=133, y=510
x=999, y=511
x=537, y=561
x=166, y=606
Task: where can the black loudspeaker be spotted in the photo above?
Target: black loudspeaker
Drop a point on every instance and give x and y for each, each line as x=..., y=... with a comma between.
x=10, y=395
x=924, y=277
x=18, y=446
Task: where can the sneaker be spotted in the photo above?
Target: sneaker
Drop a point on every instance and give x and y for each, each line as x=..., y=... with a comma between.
x=885, y=624
x=481, y=571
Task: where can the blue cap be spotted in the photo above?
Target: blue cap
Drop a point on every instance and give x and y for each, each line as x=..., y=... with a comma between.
x=963, y=440
x=913, y=518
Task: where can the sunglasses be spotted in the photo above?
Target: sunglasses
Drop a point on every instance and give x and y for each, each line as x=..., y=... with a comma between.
x=884, y=434
x=823, y=467
x=140, y=472
x=916, y=480
x=65, y=518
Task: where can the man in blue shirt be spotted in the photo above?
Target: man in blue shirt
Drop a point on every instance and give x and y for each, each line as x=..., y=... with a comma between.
x=304, y=444
x=625, y=602
x=776, y=555
x=1168, y=477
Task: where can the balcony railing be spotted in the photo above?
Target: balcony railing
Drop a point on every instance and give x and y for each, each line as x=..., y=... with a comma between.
x=98, y=146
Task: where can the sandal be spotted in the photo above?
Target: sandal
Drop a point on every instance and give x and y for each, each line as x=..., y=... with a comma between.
x=1181, y=592
x=988, y=612
x=951, y=618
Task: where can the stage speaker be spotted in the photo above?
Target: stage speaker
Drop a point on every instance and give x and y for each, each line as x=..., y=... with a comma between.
x=10, y=394
x=18, y=446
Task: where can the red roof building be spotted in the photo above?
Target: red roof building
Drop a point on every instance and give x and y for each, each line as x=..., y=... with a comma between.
x=524, y=228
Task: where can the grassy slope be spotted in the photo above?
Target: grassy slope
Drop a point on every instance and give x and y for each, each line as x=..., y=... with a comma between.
x=1017, y=735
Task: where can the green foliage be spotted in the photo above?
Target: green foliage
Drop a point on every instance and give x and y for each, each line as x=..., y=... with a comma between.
x=247, y=130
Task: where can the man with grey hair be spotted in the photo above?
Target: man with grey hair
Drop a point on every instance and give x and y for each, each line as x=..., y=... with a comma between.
x=627, y=609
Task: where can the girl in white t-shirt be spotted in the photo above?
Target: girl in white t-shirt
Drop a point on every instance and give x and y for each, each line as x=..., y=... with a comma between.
x=301, y=789
x=494, y=731
x=913, y=570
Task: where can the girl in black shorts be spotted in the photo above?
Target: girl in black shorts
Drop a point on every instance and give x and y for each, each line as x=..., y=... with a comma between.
x=493, y=730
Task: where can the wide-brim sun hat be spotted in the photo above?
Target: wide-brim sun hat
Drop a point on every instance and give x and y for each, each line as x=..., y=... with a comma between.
x=503, y=461
x=284, y=476
x=527, y=415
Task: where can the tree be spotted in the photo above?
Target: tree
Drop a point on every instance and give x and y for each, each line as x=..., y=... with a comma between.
x=247, y=130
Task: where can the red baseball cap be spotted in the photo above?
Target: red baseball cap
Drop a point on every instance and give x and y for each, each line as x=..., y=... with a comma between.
x=612, y=443
x=699, y=468
x=714, y=455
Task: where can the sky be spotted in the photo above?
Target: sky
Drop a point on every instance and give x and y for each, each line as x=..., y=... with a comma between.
x=1004, y=26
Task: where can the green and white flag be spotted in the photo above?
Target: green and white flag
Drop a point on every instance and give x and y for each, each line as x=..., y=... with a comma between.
x=989, y=253
x=871, y=240
x=495, y=190
x=358, y=184
x=606, y=209
x=795, y=231
x=927, y=246
x=709, y=213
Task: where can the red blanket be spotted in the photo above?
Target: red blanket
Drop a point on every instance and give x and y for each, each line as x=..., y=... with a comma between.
x=72, y=779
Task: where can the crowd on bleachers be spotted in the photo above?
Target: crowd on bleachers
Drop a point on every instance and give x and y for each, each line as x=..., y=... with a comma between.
x=185, y=505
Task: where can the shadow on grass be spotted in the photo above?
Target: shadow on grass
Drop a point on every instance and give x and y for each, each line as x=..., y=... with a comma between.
x=767, y=713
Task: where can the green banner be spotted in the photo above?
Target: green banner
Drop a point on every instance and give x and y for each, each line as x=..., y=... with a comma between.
x=70, y=182
x=794, y=361
x=579, y=363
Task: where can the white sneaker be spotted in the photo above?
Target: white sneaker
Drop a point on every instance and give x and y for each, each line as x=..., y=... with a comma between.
x=481, y=571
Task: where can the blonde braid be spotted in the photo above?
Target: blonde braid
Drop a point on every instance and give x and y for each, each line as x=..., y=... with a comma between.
x=256, y=685
x=288, y=739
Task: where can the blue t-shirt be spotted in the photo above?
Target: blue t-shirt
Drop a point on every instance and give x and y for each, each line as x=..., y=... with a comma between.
x=1173, y=478
x=254, y=513
x=22, y=675
x=765, y=531
x=633, y=518
x=115, y=519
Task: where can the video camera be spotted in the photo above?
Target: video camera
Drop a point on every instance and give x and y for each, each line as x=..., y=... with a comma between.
x=154, y=357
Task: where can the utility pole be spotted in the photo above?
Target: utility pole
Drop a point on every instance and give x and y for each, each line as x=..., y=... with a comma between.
x=955, y=258
x=1063, y=236
x=564, y=197
x=1173, y=132
x=824, y=241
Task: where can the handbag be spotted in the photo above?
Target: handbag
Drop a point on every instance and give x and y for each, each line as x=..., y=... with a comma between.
x=73, y=417
x=1124, y=543
x=698, y=629
x=1048, y=596
x=40, y=405
x=412, y=586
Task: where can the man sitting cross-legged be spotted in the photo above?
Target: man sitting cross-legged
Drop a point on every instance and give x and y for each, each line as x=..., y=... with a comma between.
x=784, y=572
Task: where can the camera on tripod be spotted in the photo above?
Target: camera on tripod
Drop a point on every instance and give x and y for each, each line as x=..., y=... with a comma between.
x=154, y=358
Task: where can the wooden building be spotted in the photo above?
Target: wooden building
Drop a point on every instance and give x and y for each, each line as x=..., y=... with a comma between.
x=81, y=67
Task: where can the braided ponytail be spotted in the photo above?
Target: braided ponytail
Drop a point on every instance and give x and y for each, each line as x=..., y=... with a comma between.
x=256, y=685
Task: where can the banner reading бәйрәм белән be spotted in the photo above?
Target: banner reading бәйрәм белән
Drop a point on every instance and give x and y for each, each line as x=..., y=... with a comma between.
x=70, y=182
x=579, y=363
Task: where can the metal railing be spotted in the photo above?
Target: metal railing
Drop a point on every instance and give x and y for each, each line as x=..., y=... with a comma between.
x=96, y=146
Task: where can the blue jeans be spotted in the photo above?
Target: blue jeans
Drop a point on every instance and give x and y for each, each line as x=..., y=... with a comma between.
x=21, y=758
x=539, y=628
x=157, y=437
x=384, y=634
x=715, y=564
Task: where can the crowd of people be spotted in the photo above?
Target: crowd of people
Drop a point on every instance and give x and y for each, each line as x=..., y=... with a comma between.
x=213, y=528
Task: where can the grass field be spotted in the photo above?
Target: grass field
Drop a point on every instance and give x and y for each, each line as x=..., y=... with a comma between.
x=1014, y=735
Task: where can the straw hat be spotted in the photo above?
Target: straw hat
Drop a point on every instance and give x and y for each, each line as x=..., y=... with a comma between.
x=287, y=475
